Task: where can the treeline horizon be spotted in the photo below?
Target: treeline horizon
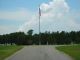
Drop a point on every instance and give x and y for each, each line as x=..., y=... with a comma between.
x=46, y=38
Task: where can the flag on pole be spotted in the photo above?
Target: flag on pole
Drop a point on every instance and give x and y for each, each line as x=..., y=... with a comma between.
x=39, y=12
x=39, y=25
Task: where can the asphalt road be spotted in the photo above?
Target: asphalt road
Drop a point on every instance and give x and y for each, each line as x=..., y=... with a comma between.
x=39, y=53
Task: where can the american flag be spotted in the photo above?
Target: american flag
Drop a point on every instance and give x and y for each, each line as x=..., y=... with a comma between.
x=39, y=12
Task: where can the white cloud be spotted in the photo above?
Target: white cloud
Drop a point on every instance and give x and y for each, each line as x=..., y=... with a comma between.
x=55, y=7
x=20, y=14
x=7, y=29
x=55, y=16
x=31, y=24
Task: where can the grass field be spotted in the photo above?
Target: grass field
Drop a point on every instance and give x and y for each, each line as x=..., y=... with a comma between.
x=73, y=51
x=6, y=51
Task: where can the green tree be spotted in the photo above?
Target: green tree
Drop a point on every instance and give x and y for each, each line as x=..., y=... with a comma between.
x=30, y=32
x=30, y=37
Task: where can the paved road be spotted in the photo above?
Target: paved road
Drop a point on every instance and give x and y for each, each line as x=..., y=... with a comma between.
x=39, y=53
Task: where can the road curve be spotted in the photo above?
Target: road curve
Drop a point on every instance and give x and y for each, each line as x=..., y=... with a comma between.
x=39, y=53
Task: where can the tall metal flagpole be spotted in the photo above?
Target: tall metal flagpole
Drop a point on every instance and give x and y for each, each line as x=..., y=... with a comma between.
x=39, y=26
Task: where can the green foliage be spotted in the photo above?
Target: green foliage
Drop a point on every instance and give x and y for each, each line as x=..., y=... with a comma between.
x=30, y=32
x=6, y=51
x=20, y=38
x=73, y=51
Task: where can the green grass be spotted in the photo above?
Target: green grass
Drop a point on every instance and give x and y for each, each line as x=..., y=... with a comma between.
x=6, y=51
x=73, y=51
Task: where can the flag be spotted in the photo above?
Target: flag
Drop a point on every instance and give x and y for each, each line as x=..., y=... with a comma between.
x=39, y=12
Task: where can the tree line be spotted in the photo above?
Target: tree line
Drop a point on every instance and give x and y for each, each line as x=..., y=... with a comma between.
x=46, y=38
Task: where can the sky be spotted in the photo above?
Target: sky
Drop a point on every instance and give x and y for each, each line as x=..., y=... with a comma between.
x=56, y=15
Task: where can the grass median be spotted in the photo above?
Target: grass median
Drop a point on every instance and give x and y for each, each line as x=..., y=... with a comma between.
x=6, y=51
x=73, y=51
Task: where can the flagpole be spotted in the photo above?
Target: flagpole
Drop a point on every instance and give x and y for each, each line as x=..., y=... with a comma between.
x=39, y=26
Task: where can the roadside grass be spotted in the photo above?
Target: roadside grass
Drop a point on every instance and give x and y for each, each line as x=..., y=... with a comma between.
x=73, y=51
x=6, y=51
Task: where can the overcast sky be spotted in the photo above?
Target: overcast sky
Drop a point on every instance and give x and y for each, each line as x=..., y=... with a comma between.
x=56, y=15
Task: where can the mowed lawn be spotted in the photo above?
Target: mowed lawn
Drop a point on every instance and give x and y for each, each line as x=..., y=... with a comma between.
x=6, y=51
x=73, y=51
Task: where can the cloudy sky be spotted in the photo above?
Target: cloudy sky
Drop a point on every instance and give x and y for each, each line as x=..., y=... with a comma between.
x=56, y=15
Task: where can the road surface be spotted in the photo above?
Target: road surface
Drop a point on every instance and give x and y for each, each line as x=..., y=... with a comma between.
x=39, y=53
